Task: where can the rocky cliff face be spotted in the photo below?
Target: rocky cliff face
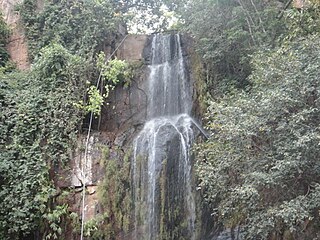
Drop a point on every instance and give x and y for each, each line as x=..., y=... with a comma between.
x=17, y=46
x=122, y=118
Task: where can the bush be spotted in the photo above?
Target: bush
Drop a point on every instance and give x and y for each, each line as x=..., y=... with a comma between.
x=38, y=126
x=260, y=168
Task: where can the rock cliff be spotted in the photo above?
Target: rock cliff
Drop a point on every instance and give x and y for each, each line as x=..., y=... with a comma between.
x=121, y=118
x=17, y=45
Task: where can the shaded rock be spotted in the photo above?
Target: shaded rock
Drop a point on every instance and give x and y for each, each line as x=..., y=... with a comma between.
x=132, y=48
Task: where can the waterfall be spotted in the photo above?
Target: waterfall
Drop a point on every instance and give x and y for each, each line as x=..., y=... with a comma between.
x=164, y=206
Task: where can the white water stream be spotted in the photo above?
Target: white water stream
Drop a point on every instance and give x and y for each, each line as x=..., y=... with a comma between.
x=162, y=181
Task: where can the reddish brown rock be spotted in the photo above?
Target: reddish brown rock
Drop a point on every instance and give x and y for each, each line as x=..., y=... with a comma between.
x=132, y=48
x=17, y=45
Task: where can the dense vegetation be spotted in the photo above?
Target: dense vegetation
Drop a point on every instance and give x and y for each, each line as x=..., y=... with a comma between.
x=80, y=26
x=4, y=34
x=38, y=125
x=42, y=109
x=260, y=167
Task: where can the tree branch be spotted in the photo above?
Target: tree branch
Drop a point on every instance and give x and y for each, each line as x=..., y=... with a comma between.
x=285, y=8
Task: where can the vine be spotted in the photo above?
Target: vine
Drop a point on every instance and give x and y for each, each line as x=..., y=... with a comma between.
x=80, y=26
x=40, y=116
x=4, y=34
x=113, y=72
x=38, y=126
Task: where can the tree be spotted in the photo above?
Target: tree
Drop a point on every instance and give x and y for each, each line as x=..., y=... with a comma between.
x=80, y=26
x=260, y=168
x=227, y=33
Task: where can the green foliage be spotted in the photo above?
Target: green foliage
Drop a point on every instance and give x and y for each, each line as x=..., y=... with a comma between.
x=80, y=26
x=43, y=107
x=301, y=23
x=226, y=33
x=92, y=228
x=260, y=168
x=114, y=71
x=85, y=26
x=53, y=218
x=4, y=34
x=38, y=126
x=115, y=197
x=39, y=115
x=95, y=101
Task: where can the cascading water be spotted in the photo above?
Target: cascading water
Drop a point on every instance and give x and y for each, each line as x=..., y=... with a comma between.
x=162, y=192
